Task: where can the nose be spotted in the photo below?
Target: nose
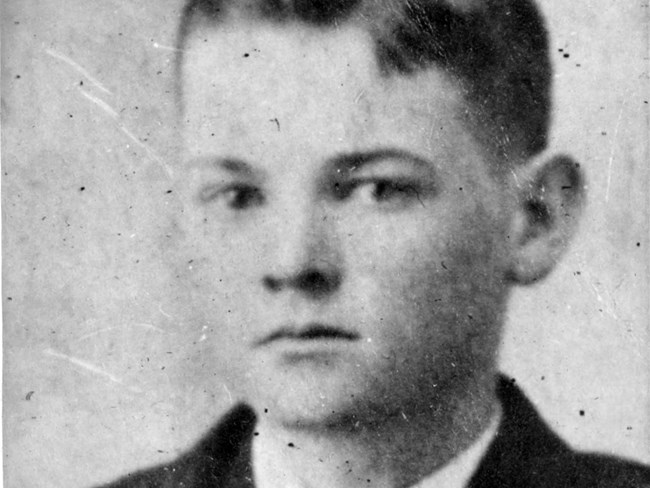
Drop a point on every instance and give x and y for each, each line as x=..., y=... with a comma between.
x=306, y=258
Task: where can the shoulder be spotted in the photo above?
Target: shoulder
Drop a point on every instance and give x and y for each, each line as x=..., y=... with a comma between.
x=608, y=471
x=526, y=452
x=220, y=459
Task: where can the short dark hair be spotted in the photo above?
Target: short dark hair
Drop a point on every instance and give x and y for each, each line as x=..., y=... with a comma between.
x=498, y=49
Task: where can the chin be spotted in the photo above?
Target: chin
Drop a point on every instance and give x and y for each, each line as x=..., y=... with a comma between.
x=326, y=406
x=316, y=403
x=325, y=417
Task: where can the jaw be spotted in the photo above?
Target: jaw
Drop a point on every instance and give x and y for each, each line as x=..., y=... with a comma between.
x=396, y=447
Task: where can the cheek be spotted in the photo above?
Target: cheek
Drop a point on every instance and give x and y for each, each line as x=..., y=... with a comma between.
x=220, y=255
x=215, y=272
x=428, y=268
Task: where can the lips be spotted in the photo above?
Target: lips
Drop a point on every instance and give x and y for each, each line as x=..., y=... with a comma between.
x=310, y=332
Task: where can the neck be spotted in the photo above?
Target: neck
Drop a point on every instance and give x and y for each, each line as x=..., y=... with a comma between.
x=397, y=452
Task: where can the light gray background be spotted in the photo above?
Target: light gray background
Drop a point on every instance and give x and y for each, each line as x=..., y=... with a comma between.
x=118, y=382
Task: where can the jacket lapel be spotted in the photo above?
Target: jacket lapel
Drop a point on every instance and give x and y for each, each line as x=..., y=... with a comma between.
x=525, y=451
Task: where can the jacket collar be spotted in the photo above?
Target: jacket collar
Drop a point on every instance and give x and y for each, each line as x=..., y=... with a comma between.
x=523, y=452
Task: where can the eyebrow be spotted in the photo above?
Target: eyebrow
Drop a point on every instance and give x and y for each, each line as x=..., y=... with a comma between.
x=354, y=161
x=231, y=165
x=346, y=162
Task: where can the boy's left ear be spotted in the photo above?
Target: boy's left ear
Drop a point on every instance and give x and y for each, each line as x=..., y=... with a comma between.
x=551, y=195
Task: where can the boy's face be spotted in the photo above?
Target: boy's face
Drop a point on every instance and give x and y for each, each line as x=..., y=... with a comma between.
x=348, y=243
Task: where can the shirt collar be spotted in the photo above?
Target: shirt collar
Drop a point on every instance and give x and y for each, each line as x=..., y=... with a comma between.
x=458, y=472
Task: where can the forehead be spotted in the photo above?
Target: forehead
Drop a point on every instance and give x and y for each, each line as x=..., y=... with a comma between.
x=243, y=82
x=294, y=52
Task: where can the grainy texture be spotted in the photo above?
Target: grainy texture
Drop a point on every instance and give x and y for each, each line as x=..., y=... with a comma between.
x=525, y=453
x=100, y=378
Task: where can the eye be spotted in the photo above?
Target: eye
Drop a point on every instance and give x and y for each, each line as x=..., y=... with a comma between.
x=237, y=196
x=384, y=192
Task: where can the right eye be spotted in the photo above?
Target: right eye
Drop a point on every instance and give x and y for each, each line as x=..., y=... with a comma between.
x=235, y=196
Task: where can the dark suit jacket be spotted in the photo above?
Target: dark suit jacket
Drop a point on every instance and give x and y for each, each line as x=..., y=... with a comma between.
x=525, y=453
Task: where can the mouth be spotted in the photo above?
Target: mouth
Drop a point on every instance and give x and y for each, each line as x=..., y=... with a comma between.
x=311, y=332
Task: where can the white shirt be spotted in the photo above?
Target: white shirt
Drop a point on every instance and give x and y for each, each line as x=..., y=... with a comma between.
x=458, y=472
x=268, y=473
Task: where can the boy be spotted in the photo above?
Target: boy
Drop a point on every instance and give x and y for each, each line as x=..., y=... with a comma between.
x=365, y=184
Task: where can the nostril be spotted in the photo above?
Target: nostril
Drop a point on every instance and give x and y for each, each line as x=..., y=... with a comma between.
x=312, y=282
x=317, y=282
x=272, y=283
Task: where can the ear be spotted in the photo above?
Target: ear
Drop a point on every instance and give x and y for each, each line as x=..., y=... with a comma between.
x=551, y=196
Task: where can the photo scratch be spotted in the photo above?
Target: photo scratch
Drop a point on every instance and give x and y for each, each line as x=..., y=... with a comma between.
x=108, y=329
x=150, y=152
x=78, y=68
x=100, y=103
x=613, y=148
x=228, y=392
x=84, y=365
x=115, y=116
x=166, y=48
x=160, y=309
x=608, y=304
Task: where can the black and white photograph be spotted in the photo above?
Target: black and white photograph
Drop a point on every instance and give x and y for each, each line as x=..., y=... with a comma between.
x=325, y=244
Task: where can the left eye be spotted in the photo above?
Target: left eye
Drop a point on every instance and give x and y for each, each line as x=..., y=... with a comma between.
x=385, y=192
